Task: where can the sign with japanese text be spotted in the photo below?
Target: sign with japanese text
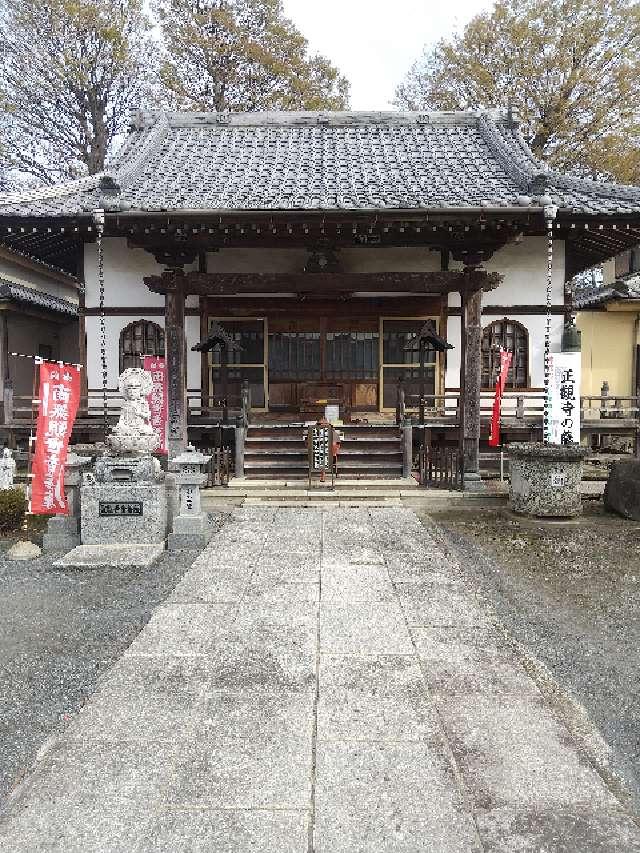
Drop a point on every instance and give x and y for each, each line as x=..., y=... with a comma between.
x=505, y=364
x=120, y=508
x=564, y=398
x=157, y=399
x=58, y=404
x=321, y=448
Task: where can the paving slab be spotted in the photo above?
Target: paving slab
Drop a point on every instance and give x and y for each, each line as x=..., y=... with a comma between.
x=184, y=629
x=105, y=556
x=355, y=582
x=321, y=681
x=546, y=770
x=391, y=798
x=240, y=773
x=381, y=697
x=428, y=603
x=205, y=830
x=364, y=628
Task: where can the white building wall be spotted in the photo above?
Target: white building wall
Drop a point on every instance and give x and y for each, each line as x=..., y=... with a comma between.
x=113, y=327
x=524, y=267
x=535, y=325
x=124, y=271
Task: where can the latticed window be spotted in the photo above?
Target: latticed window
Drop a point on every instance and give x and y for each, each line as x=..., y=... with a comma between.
x=512, y=336
x=140, y=338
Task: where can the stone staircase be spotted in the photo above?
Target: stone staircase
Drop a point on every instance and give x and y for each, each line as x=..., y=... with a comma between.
x=274, y=451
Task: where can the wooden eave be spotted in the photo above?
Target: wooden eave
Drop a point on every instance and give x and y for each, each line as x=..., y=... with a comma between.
x=464, y=233
x=212, y=284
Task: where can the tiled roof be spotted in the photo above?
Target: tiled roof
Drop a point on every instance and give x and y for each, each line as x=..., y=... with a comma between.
x=19, y=293
x=621, y=289
x=323, y=161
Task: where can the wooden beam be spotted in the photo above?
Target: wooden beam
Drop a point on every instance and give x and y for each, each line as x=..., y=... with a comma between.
x=322, y=284
x=224, y=306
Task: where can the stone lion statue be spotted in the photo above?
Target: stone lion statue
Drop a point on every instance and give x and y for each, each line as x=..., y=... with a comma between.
x=134, y=434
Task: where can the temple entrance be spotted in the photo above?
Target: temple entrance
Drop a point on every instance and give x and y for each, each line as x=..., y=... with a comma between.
x=317, y=359
x=299, y=364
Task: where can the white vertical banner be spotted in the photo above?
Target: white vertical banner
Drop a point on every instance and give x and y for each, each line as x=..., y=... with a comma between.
x=564, y=397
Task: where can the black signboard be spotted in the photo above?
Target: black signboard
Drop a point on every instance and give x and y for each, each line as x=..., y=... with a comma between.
x=320, y=446
x=122, y=509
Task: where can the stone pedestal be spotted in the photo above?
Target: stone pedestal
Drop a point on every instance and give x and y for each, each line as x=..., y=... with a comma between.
x=63, y=531
x=545, y=479
x=132, y=512
x=622, y=492
x=191, y=527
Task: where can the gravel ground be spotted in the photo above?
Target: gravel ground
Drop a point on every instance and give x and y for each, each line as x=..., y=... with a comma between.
x=570, y=594
x=59, y=631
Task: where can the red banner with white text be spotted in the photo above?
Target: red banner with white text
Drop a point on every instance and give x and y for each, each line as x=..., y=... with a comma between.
x=505, y=364
x=59, y=400
x=157, y=398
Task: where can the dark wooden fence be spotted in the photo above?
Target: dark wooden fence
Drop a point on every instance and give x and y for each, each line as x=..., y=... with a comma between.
x=218, y=469
x=441, y=467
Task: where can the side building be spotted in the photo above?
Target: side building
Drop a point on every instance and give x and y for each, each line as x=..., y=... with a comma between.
x=38, y=317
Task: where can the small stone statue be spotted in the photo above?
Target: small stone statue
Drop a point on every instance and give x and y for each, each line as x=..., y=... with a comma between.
x=7, y=469
x=134, y=434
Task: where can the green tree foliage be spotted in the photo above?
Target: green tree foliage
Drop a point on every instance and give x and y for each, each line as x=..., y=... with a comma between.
x=242, y=55
x=570, y=67
x=13, y=506
x=71, y=72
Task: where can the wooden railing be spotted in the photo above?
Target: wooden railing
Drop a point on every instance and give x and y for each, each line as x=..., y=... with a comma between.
x=218, y=469
x=525, y=407
x=441, y=467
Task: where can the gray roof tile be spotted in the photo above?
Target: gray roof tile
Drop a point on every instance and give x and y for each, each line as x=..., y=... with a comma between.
x=328, y=161
x=626, y=287
x=15, y=292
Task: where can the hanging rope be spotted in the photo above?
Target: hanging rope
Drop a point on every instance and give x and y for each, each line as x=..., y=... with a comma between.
x=99, y=220
x=550, y=214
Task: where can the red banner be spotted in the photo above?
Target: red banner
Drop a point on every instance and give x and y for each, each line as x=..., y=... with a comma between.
x=59, y=399
x=157, y=399
x=505, y=364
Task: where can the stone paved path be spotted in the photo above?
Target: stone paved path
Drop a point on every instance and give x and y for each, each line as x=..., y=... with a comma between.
x=319, y=681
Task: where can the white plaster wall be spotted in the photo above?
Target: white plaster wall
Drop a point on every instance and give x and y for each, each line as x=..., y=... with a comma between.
x=38, y=280
x=124, y=271
x=524, y=268
x=535, y=325
x=194, y=359
x=113, y=327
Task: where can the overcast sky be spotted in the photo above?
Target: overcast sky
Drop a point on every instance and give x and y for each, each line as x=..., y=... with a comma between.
x=374, y=42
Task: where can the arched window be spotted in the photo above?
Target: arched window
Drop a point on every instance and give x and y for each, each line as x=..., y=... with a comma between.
x=140, y=338
x=512, y=336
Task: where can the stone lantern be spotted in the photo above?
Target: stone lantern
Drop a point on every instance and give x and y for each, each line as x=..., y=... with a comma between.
x=63, y=532
x=191, y=527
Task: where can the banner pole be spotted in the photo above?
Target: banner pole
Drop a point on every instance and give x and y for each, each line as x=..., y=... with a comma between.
x=550, y=212
x=37, y=361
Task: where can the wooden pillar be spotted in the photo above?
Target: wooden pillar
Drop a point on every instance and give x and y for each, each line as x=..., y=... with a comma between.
x=472, y=365
x=407, y=448
x=176, y=353
x=241, y=432
x=4, y=352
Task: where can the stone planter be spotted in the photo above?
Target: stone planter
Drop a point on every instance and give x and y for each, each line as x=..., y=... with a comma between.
x=622, y=492
x=545, y=479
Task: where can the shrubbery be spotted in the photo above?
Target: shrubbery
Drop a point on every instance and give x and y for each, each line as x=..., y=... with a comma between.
x=13, y=505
